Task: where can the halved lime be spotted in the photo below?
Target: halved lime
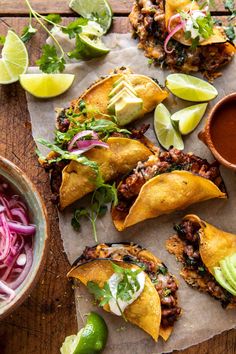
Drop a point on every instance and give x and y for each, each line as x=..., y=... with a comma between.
x=189, y=117
x=190, y=88
x=96, y=10
x=14, y=61
x=92, y=29
x=92, y=47
x=46, y=85
x=166, y=134
x=90, y=340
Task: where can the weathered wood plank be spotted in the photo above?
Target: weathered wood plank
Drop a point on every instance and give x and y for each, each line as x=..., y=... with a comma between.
x=18, y=7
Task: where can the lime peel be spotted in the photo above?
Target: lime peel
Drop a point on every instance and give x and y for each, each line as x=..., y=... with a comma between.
x=46, y=85
x=166, y=134
x=190, y=88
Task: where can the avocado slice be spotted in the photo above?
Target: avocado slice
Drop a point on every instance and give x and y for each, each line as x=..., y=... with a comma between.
x=222, y=281
x=120, y=86
x=128, y=109
x=125, y=92
x=231, y=263
x=226, y=272
x=122, y=78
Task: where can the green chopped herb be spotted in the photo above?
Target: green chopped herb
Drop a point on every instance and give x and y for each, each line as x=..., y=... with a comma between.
x=163, y=270
x=54, y=19
x=75, y=27
x=2, y=40
x=230, y=32
x=50, y=62
x=150, y=61
x=28, y=32
x=166, y=292
x=229, y=5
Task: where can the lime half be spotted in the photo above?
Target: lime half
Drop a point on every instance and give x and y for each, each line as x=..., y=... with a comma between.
x=166, y=134
x=189, y=117
x=90, y=340
x=14, y=61
x=96, y=10
x=92, y=47
x=46, y=85
x=190, y=88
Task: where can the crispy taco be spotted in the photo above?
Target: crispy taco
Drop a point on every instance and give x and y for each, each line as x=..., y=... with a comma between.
x=165, y=183
x=152, y=303
x=181, y=36
x=72, y=180
x=129, y=92
x=209, y=258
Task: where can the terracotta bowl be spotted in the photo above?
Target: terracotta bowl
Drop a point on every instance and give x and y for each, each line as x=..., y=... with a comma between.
x=22, y=185
x=205, y=134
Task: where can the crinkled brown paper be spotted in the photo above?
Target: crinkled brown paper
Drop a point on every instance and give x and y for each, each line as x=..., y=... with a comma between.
x=203, y=317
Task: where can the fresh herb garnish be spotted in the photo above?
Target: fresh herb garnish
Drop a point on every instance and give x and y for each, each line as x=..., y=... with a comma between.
x=75, y=27
x=2, y=40
x=54, y=19
x=50, y=62
x=163, y=270
x=28, y=32
x=127, y=287
x=230, y=32
x=229, y=5
x=166, y=292
x=104, y=194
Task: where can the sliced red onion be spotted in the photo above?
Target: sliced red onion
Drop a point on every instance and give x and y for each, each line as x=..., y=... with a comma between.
x=21, y=260
x=7, y=290
x=20, y=214
x=85, y=145
x=27, y=230
x=172, y=18
x=82, y=135
x=29, y=260
x=170, y=35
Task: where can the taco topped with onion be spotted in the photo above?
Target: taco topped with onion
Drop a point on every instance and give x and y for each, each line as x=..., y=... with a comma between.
x=146, y=291
x=181, y=35
x=208, y=255
x=165, y=183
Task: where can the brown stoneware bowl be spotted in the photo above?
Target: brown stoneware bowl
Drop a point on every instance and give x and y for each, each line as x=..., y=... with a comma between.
x=219, y=132
x=38, y=215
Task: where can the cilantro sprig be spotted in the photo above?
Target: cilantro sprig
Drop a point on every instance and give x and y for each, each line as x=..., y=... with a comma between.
x=103, y=195
x=127, y=287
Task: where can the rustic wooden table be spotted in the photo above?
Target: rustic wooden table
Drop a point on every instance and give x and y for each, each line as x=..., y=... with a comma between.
x=40, y=325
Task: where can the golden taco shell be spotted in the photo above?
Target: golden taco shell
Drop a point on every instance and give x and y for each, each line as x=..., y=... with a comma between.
x=215, y=244
x=156, y=310
x=121, y=157
x=145, y=311
x=173, y=7
x=165, y=194
x=97, y=96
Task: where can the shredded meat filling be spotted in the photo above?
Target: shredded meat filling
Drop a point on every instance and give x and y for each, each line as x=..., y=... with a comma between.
x=164, y=282
x=148, y=21
x=167, y=161
x=194, y=271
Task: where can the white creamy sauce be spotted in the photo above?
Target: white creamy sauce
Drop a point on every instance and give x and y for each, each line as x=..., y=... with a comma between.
x=113, y=282
x=190, y=24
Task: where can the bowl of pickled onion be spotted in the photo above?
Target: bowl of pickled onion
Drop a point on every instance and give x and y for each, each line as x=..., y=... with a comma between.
x=23, y=236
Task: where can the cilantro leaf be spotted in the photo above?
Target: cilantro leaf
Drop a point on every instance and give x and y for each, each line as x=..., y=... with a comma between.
x=27, y=33
x=49, y=61
x=101, y=294
x=205, y=25
x=2, y=40
x=54, y=18
x=75, y=27
x=229, y=5
x=230, y=32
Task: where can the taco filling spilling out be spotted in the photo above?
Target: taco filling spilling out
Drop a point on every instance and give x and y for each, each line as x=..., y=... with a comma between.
x=203, y=249
x=166, y=182
x=163, y=308
x=181, y=35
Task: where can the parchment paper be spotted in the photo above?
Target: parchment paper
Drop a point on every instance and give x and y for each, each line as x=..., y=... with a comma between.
x=203, y=317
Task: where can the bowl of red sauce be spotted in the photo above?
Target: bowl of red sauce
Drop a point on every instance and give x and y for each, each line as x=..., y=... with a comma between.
x=23, y=236
x=219, y=133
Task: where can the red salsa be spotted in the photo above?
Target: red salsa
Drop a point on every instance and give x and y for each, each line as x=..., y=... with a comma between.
x=223, y=131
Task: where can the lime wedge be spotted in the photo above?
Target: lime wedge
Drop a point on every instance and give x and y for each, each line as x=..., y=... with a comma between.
x=189, y=117
x=46, y=85
x=92, y=47
x=96, y=10
x=166, y=134
x=14, y=61
x=190, y=88
x=92, y=29
x=90, y=340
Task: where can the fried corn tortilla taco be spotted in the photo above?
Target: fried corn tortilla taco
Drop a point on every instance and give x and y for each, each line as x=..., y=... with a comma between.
x=127, y=95
x=71, y=180
x=153, y=303
x=165, y=183
x=179, y=35
x=208, y=255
